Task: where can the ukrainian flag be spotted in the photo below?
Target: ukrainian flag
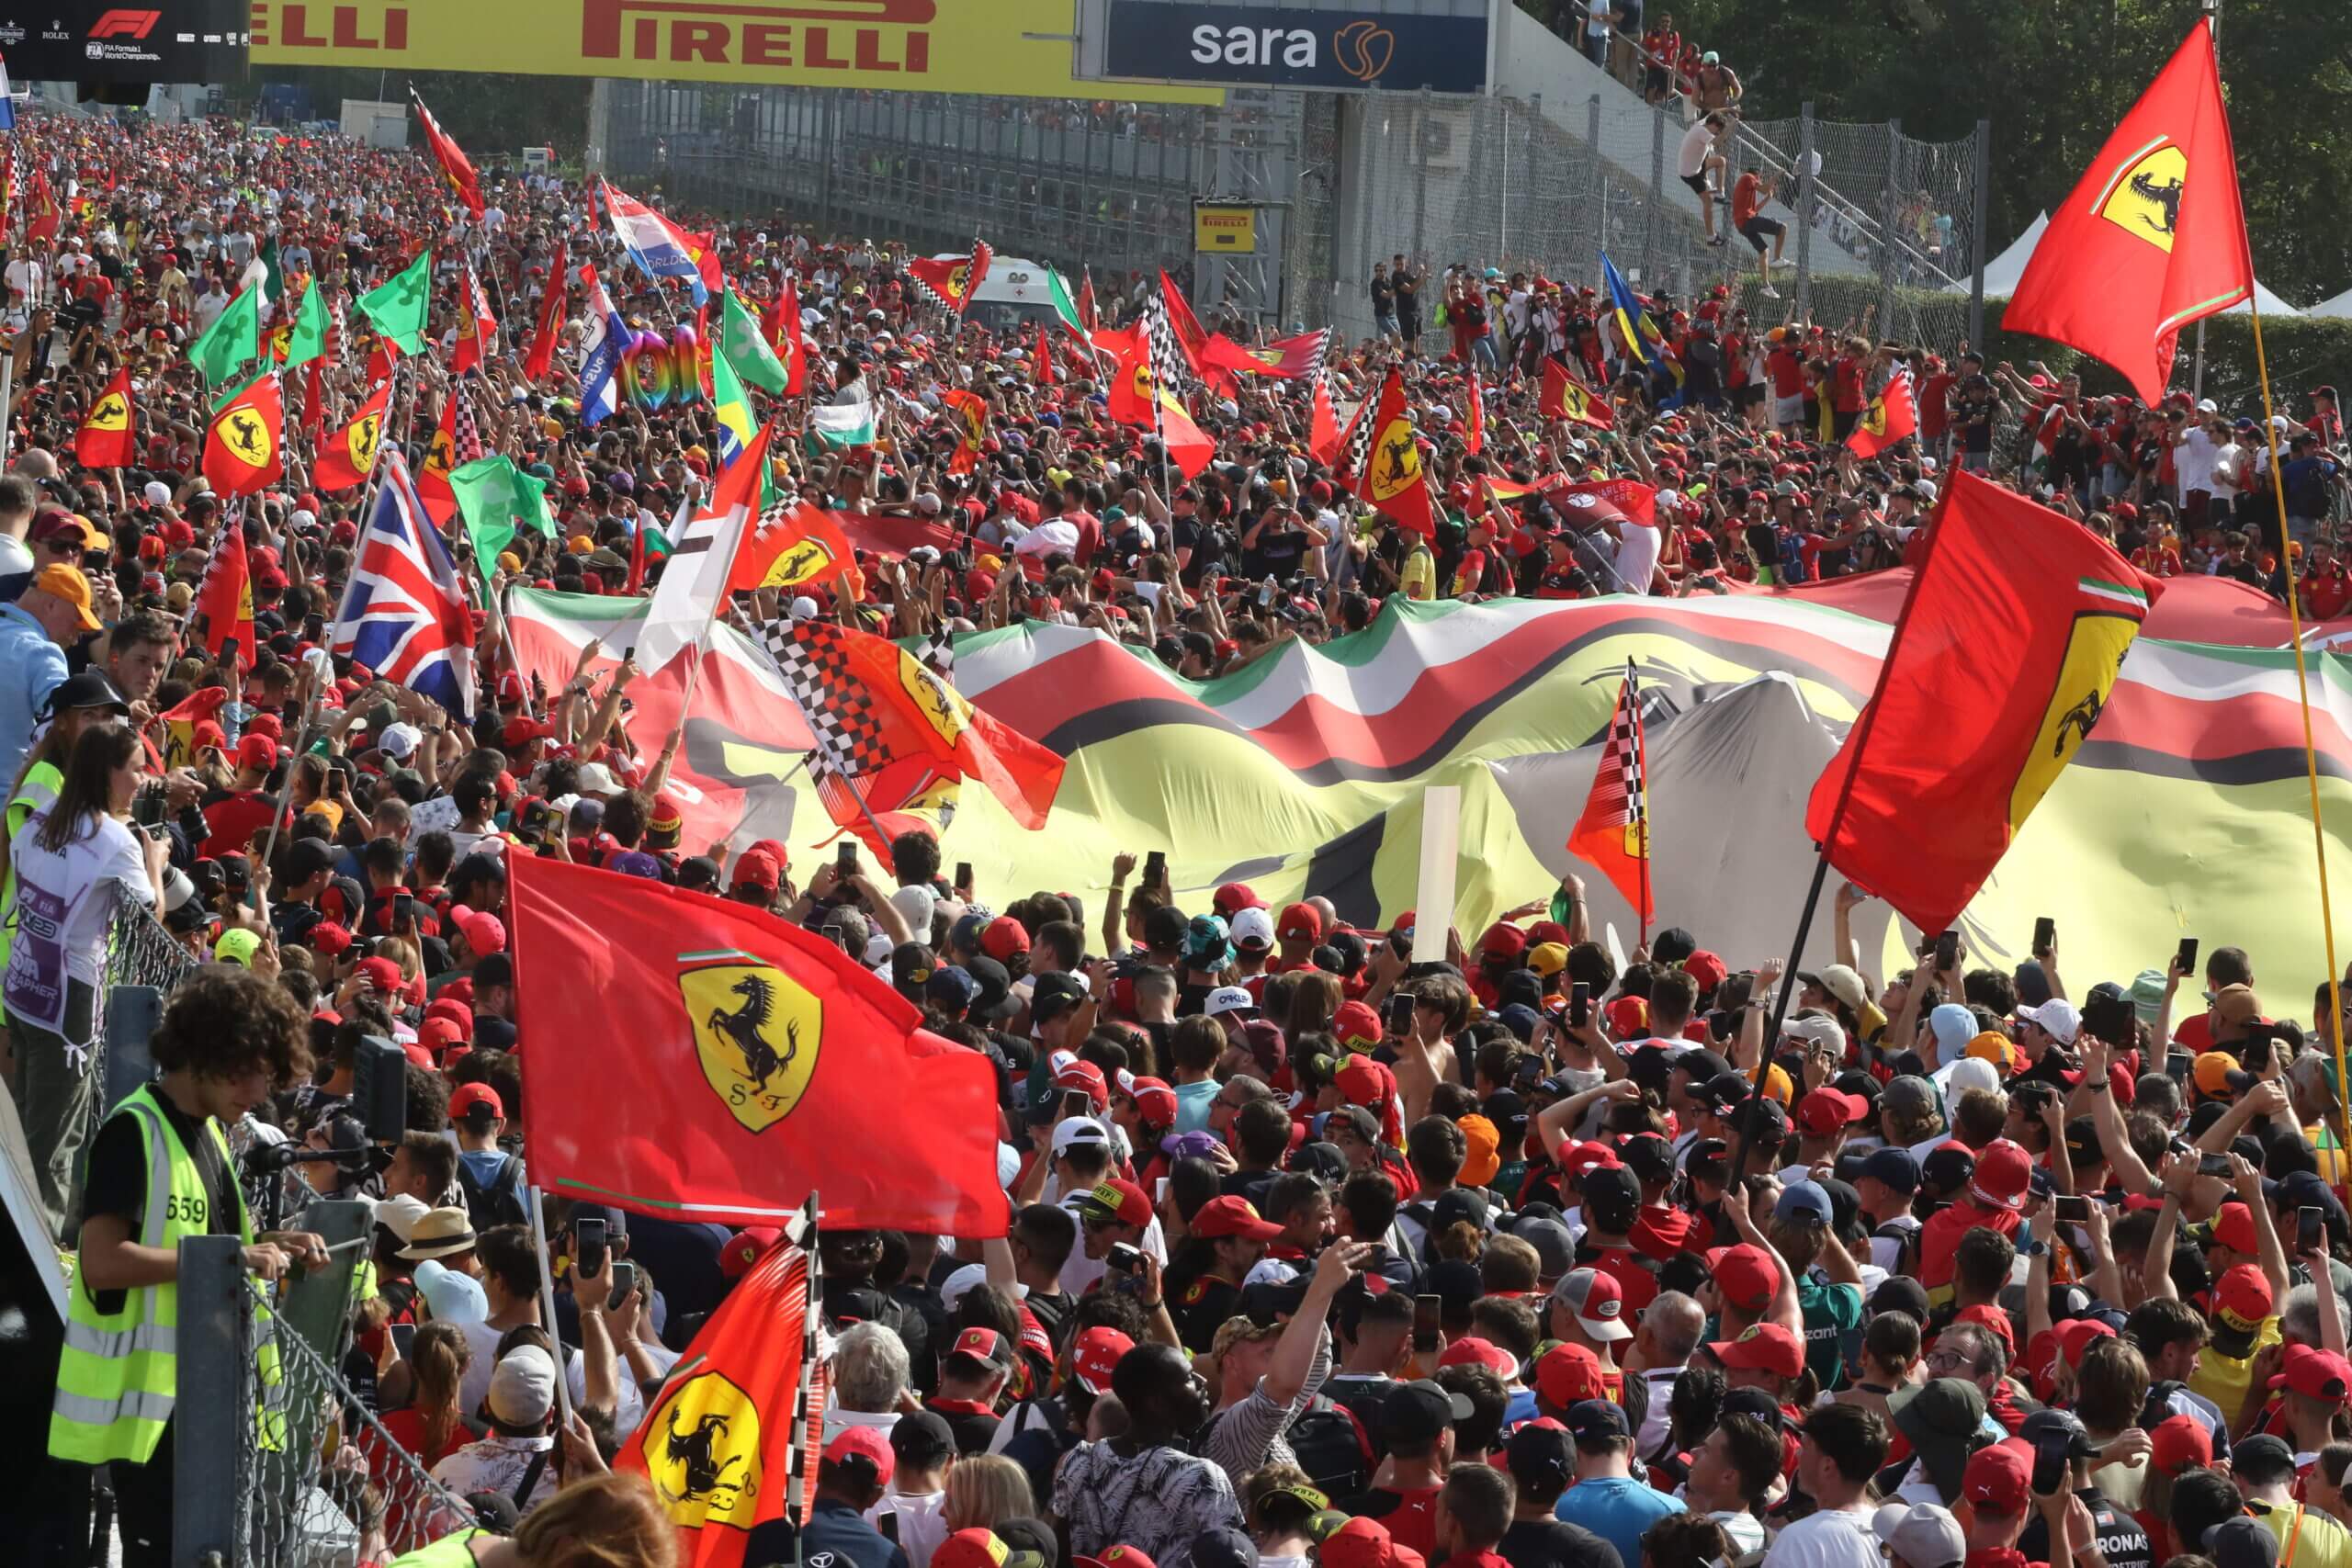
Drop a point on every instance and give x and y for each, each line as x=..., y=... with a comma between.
x=1643, y=338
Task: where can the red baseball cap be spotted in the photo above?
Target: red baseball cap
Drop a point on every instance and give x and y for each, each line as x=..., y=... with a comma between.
x=1503, y=939
x=1004, y=937
x=1235, y=1217
x=1362, y=1542
x=1745, y=1275
x=1628, y=1016
x=1577, y=1159
x=979, y=1547
x=2318, y=1374
x=1567, y=1373
x=1999, y=1479
x=383, y=974
x=2179, y=1443
x=470, y=1096
x=758, y=869
x=437, y=1035
x=1300, y=922
x=1827, y=1111
x=2233, y=1228
x=1117, y=1201
x=256, y=751
x=1763, y=1346
x=329, y=939
x=1472, y=1352
x=1075, y=1074
x=863, y=1445
x=1093, y=1355
x=2004, y=1170
x=979, y=1343
x=1356, y=1026
x=2242, y=1298
x=485, y=933
x=1233, y=897
x=2077, y=1334
x=746, y=1247
x=1706, y=968
x=1154, y=1097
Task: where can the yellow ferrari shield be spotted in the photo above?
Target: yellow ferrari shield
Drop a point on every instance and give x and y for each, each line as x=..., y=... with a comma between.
x=2144, y=200
x=1396, y=459
x=249, y=436
x=756, y=1034
x=702, y=1451
x=359, y=439
x=112, y=413
x=938, y=702
x=2093, y=658
x=442, y=456
x=797, y=564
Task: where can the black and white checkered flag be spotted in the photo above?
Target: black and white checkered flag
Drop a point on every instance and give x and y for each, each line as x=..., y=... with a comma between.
x=836, y=743
x=937, y=652
x=1169, y=366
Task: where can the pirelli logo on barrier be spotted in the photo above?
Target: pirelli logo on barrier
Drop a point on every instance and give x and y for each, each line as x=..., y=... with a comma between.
x=942, y=46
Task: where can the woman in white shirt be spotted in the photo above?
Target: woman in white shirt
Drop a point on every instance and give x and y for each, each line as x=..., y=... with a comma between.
x=74, y=862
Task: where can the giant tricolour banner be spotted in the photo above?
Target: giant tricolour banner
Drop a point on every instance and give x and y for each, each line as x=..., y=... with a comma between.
x=1303, y=772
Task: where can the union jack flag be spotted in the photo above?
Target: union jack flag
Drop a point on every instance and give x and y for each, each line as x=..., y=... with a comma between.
x=404, y=615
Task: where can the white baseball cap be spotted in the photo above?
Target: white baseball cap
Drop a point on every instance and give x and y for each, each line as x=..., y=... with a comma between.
x=1229, y=999
x=2062, y=1018
x=1252, y=927
x=1072, y=1130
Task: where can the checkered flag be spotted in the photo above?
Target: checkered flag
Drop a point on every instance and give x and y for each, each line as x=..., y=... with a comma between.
x=465, y=439
x=840, y=712
x=1356, y=454
x=937, y=652
x=1168, y=365
x=1613, y=831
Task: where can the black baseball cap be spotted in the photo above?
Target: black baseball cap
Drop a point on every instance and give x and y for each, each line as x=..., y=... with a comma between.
x=1054, y=995
x=994, y=1001
x=1596, y=1421
x=90, y=689
x=1420, y=1412
x=922, y=1439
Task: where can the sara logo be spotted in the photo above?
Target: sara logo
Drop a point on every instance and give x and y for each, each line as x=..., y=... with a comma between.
x=112, y=413
x=248, y=437
x=939, y=702
x=2143, y=199
x=1363, y=49
x=2095, y=648
x=702, y=1452
x=756, y=1034
x=1397, y=467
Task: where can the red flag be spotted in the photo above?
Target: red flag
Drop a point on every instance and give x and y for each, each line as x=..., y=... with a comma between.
x=476, y=325
x=540, y=364
x=969, y=411
x=1565, y=397
x=781, y=327
x=951, y=279
x=2010, y=639
x=185, y=735
x=729, y=1406
x=1323, y=424
x=1602, y=501
x=1044, y=357
x=1189, y=448
x=1475, y=439
x=440, y=458
x=244, y=446
x=1132, y=382
x=225, y=597
x=1893, y=415
x=2153, y=237
x=1613, y=832
x=452, y=159
x=722, y=1069
x=793, y=545
x=348, y=456
x=1392, y=478
x=1284, y=359
x=108, y=439
x=1089, y=318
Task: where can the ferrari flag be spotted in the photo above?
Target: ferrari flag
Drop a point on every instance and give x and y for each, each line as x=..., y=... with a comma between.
x=1893, y=415
x=756, y=1061
x=1998, y=668
x=244, y=446
x=348, y=456
x=1565, y=397
x=105, y=439
x=2153, y=237
x=1612, y=835
x=1392, y=478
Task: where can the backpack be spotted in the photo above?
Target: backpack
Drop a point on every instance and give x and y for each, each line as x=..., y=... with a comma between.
x=501, y=1203
x=1330, y=1446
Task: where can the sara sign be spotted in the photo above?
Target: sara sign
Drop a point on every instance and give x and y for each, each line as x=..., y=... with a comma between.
x=1276, y=46
x=936, y=46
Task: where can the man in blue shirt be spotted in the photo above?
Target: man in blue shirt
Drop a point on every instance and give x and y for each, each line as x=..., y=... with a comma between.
x=854, y=1472
x=34, y=632
x=1605, y=1498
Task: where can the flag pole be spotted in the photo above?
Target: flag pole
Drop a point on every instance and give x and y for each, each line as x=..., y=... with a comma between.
x=1865, y=722
x=547, y=1299
x=1642, y=757
x=795, y=1480
x=2303, y=701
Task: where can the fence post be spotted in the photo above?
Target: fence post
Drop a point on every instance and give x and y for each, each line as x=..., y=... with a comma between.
x=1889, y=231
x=1599, y=194
x=1983, y=194
x=1657, y=194
x=133, y=1013
x=212, y=1415
x=1804, y=211
x=1420, y=195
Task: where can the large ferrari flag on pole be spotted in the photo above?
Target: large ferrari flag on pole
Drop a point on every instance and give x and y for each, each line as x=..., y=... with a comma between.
x=2010, y=642
x=2153, y=238
x=1612, y=834
x=719, y=1063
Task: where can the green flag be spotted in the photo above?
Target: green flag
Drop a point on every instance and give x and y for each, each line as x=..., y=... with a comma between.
x=742, y=345
x=397, y=305
x=1064, y=305
x=230, y=343
x=494, y=495
x=307, y=341
x=273, y=277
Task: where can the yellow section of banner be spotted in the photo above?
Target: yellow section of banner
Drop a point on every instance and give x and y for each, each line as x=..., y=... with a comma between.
x=1018, y=47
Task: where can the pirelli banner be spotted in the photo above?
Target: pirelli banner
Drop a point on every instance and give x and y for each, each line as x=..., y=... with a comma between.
x=1019, y=46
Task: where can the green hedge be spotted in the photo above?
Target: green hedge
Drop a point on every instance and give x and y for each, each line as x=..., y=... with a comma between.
x=2304, y=352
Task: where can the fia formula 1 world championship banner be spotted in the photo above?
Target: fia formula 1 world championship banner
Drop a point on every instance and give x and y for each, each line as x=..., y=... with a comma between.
x=1017, y=47
x=91, y=40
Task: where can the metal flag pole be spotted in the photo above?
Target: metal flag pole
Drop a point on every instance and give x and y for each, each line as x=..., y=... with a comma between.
x=1641, y=801
x=795, y=1480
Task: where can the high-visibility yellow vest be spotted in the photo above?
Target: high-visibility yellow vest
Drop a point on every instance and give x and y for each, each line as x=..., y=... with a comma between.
x=449, y=1552
x=37, y=794
x=119, y=1373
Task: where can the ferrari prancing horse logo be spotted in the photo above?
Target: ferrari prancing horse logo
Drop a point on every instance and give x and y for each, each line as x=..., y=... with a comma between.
x=756, y=1034
x=2144, y=199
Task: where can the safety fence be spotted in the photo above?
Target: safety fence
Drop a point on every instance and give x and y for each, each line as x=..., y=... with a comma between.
x=281, y=1461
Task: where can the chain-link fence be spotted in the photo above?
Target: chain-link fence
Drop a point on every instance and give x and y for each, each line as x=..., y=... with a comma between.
x=280, y=1460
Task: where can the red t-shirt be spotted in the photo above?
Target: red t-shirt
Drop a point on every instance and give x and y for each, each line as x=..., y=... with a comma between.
x=1846, y=391
x=231, y=821
x=1746, y=197
x=1788, y=372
